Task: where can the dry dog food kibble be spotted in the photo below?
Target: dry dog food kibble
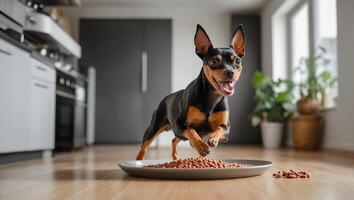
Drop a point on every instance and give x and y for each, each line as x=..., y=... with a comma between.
x=291, y=174
x=198, y=162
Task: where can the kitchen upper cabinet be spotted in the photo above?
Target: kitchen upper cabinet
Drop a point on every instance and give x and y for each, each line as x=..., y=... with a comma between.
x=13, y=98
x=41, y=114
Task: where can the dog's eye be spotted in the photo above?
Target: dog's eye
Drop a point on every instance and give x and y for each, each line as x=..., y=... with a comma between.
x=214, y=62
x=237, y=61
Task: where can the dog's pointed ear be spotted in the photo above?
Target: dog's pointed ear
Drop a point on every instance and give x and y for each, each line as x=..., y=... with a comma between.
x=201, y=41
x=238, y=41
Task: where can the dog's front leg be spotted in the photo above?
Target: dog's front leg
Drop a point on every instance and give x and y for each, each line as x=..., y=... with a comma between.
x=219, y=125
x=216, y=136
x=196, y=141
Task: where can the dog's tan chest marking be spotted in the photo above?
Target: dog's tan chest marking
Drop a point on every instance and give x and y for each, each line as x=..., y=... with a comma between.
x=195, y=116
x=218, y=118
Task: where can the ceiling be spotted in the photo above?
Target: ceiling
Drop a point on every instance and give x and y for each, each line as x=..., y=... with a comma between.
x=237, y=5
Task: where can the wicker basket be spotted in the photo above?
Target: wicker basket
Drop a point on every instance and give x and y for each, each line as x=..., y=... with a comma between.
x=306, y=131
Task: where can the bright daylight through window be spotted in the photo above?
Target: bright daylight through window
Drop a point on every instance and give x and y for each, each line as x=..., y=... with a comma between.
x=317, y=20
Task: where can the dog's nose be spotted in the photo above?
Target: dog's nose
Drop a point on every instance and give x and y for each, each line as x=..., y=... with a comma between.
x=229, y=72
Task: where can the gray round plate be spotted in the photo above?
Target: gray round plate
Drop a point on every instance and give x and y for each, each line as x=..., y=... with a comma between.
x=136, y=168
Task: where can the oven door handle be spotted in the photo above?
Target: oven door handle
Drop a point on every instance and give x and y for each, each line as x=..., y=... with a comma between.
x=65, y=94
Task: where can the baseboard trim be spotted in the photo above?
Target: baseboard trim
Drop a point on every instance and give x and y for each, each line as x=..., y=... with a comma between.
x=19, y=156
x=339, y=146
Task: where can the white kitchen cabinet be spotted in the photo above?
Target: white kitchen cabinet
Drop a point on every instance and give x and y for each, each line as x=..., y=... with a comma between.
x=41, y=114
x=14, y=78
x=27, y=101
x=41, y=71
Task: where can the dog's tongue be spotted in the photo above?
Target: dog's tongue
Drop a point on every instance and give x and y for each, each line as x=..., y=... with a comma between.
x=227, y=87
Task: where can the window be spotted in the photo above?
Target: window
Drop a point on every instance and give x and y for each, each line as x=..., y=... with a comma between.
x=311, y=25
x=326, y=35
x=299, y=25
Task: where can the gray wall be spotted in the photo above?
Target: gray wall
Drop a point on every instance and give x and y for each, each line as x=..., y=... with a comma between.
x=242, y=102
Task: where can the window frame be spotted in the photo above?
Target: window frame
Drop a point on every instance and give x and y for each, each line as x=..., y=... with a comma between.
x=313, y=28
x=289, y=44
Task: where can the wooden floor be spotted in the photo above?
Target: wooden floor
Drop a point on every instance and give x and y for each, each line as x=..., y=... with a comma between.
x=92, y=174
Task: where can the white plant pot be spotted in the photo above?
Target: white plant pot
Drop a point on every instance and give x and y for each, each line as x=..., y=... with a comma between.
x=272, y=133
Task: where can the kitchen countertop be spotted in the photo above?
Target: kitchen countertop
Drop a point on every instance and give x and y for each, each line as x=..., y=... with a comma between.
x=92, y=174
x=14, y=42
x=43, y=59
x=36, y=55
x=22, y=46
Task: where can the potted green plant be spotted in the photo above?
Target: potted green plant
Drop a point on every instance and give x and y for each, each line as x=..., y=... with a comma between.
x=274, y=106
x=314, y=83
x=313, y=87
x=327, y=82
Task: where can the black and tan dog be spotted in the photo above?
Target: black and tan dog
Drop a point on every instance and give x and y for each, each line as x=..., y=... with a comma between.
x=202, y=108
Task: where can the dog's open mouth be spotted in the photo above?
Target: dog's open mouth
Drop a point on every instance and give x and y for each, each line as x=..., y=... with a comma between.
x=225, y=87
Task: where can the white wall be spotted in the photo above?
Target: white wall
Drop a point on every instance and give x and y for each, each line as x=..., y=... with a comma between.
x=339, y=122
x=266, y=26
x=185, y=64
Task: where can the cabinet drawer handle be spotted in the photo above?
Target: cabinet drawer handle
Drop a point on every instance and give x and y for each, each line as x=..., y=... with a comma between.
x=65, y=94
x=41, y=68
x=41, y=86
x=5, y=52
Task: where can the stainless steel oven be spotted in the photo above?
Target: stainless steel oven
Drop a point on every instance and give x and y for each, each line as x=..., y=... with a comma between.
x=65, y=112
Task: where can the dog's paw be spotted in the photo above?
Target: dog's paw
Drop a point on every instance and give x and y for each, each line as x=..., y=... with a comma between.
x=213, y=141
x=201, y=147
x=175, y=156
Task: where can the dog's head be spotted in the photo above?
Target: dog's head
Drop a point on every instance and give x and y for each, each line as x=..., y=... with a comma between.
x=221, y=66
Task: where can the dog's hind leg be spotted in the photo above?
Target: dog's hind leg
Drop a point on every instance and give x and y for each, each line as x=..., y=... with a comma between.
x=159, y=123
